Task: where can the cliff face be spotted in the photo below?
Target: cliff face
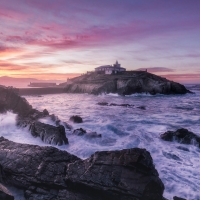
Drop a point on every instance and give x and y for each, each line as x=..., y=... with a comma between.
x=125, y=83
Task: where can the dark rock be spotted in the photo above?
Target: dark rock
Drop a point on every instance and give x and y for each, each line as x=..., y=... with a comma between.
x=45, y=112
x=124, y=83
x=27, y=116
x=48, y=133
x=126, y=174
x=102, y=103
x=79, y=132
x=29, y=166
x=142, y=107
x=183, y=148
x=182, y=136
x=171, y=156
x=48, y=173
x=178, y=198
x=76, y=119
x=5, y=194
x=92, y=135
x=12, y=101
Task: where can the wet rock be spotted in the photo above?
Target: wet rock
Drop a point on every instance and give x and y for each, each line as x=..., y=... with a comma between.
x=76, y=119
x=48, y=173
x=142, y=107
x=102, y=103
x=79, y=132
x=48, y=133
x=178, y=198
x=126, y=174
x=45, y=112
x=171, y=156
x=182, y=136
x=12, y=101
x=5, y=194
x=182, y=148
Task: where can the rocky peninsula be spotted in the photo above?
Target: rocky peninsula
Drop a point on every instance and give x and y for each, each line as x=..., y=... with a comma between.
x=123, y=83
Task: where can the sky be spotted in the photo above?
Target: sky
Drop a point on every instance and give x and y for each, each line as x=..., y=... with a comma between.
x=57, y=39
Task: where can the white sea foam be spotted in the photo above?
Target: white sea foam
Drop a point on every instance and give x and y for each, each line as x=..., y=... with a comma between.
x=123, y=127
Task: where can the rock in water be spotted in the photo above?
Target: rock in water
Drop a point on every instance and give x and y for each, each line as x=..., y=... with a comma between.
x=182, y=136
x=124, y=83
x=5, y=194
x=27, y=116
x=48, y=173
x=48, y=133
x=76, y=119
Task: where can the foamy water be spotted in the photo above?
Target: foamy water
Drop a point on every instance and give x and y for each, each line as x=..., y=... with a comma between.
x=123, y=127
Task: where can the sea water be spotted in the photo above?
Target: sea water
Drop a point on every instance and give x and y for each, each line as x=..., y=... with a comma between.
x=127, y=127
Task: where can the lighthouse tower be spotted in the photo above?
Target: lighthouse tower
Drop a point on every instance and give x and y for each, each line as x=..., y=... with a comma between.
x=117, y=65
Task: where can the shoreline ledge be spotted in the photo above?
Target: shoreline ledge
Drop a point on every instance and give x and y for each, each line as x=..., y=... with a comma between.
x=49, y=173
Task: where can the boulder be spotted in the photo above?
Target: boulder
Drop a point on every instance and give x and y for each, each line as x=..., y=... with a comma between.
x=126, y=174
x=48, y=133
x=182, y=136
x=5, y=194
x=76, y=119
x=48, y=173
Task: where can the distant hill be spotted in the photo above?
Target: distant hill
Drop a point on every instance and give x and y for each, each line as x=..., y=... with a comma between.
x=21, y=82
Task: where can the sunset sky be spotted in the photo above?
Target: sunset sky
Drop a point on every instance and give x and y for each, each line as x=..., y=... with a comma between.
x=56, y=39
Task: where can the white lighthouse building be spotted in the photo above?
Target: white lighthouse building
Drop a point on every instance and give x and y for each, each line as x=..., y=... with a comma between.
x=110, y=69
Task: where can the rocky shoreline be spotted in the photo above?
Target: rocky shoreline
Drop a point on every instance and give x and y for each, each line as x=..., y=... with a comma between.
x=48, y=173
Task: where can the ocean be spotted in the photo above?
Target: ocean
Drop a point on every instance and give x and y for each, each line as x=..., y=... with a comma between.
x=126, y=127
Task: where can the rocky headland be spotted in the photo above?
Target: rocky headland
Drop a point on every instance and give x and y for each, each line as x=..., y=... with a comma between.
x=125, y=83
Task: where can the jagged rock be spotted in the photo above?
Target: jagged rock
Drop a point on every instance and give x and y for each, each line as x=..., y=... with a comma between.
x=24, y=165
x=5, y=194
x=48, y=133
x=126, y=174
x=48, y=173
x=182, y=136
x=81, y=132
x=12, y=101
x=27, y=116
x=124, y=83
x=178, y=198
x=76, y=119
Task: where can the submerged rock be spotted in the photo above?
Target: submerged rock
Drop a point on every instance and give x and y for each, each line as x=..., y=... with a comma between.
x=81, y=132
x=5, y=194
x=114, y=104
x=182, y=136
x=124, y=83
x=178, y=198
x=76, y=119
x=48, y=173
